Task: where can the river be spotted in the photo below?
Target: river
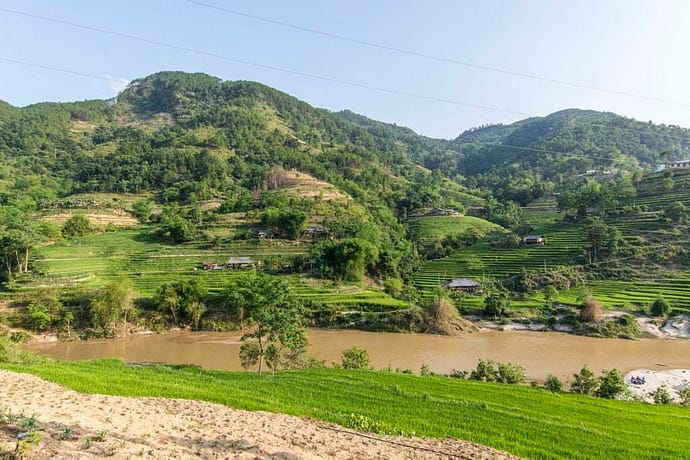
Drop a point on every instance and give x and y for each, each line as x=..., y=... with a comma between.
x=541, y=353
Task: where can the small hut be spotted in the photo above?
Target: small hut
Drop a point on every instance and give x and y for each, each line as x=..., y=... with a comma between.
x=462, y=285
x=534, y=240
x=240, y=262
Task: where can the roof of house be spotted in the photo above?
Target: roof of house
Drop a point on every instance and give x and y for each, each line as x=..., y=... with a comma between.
x=240, y=260
x=460, y=282
x=534, y=237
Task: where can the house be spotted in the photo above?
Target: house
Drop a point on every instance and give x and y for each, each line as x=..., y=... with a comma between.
x=314, y=230
x=680, y=164
x=264, y=234
x=462, y=285
x=210, y=265
x=532, y=240
x=240, y=262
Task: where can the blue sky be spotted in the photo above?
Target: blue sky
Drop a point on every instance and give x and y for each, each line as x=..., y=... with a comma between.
x=637, y=47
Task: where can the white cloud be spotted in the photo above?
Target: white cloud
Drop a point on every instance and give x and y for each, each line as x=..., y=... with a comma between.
x=116, y=84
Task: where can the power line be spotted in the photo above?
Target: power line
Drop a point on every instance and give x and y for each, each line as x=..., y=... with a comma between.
x=58, y=69
x=494, y=144
x=292, y=72
x=262, y=66
x=438, y=58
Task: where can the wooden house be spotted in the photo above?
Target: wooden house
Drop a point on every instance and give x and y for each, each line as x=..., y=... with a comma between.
x=240, y=262
x=462, y=285
x=314, y=231
x=211, y=265
x=534, y=240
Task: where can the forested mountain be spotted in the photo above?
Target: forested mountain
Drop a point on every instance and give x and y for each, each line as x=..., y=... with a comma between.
x=557, y=147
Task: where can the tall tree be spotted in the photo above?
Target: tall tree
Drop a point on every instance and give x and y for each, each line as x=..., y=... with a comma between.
x=273, y=317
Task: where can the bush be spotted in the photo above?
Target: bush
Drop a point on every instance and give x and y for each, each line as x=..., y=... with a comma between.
x=584, y=382
x=77, y=225
x=553, y=383
x=356, y=358
x=496, y=305
x=660, y=307
x=489, y=371
x=590, y=312
x=661, y=395
x=611, y=384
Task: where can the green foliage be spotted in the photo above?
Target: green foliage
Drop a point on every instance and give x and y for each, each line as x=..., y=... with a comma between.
x=660, y=307
x=661, y=395
x=77, y=225
x=286, y=222
x=112, y=303
x=676, y=212
x=273, y=315
x=142, y=210
x=355, y=358
x=496, y=304
x=611, y=384
x=182, y=300
x=490, y=371
x=553, y=383
x=584, y=382
x=345, y=259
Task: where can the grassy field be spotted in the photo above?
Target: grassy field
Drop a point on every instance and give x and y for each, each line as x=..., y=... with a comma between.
x=93, y=260
x=525, y=421
x=437, y=227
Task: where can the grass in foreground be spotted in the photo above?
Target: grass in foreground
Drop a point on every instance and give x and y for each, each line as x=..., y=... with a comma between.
x=525, y=421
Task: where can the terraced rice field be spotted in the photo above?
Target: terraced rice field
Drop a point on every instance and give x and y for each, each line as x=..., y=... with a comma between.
x=564, y=244
x=635, y=294
x=97, y=259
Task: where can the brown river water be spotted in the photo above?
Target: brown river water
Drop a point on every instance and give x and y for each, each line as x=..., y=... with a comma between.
x=541, y=353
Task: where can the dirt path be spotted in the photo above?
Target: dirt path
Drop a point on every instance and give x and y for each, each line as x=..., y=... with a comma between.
x=74, y=425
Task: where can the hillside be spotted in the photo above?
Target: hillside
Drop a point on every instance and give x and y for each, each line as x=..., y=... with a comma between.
x=363, y=220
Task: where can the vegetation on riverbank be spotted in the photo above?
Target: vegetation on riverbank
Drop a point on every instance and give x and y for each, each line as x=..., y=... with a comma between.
x=530, y=422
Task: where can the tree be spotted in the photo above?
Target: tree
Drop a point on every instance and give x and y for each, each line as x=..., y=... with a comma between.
x=553, y=383
x=584, y=382
x=550, y=295
x=142, y=210
x=77, y=225
x=676, y=211
x=604, y=240
x=111, y=303
x=346, y=259
x=496, y=304
x=273, y=315
x=183, y=300
x=355, y=358
x=660, y=307
x=611, y=384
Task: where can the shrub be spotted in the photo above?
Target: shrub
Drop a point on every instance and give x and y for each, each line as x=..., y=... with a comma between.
x=441, y=316
x=584, y=382
x=77, y=225
x=660, y=307
x=356, y=358
x=497, y=304
x=489, y=371
x=661, y=395
x=590, y=312
x=611, y=384
x=553, y=383
x=684, y=396
x=510, y=373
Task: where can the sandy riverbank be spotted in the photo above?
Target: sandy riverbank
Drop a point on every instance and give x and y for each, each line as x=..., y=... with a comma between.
x=674, y=379
x=97, y=426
